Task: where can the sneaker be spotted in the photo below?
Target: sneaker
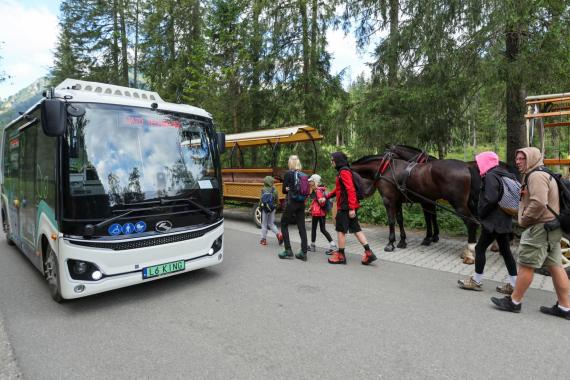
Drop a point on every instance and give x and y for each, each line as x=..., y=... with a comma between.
x=368, y=257
x=280, y=238
x=301, y=255
x=313, y=248
x=556, y=311
x=505, y=289
x=330, y=251
x=286, y=254
x=337, y=258
x=469, y=283
x=506, y=304
x=263, y=242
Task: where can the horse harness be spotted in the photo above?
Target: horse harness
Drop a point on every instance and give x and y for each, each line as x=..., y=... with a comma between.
x=387, y=162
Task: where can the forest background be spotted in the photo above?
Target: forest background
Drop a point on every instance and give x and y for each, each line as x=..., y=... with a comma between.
x=447, y=76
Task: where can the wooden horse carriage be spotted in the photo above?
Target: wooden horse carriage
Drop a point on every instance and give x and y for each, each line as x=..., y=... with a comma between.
x=243, y=182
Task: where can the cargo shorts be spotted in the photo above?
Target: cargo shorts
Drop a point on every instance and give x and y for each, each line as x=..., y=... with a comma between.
x=534, y=244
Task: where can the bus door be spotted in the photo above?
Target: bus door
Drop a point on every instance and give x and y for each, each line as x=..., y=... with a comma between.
x=27, y=199
x=12, y=184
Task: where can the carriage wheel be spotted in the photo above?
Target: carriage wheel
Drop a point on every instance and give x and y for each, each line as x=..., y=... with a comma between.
x=256, y=215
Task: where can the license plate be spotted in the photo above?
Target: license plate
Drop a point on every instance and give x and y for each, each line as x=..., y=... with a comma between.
x=162, y=269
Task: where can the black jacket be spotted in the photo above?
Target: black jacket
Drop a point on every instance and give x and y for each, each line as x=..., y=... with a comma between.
x=492, y=217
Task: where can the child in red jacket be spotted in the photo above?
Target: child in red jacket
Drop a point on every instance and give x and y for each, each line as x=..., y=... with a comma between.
x=319, y=213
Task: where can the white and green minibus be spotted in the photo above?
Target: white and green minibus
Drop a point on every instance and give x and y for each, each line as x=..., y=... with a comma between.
x=105, y=186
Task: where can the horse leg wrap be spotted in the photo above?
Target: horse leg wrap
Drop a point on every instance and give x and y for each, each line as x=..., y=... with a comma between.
x=468, y=254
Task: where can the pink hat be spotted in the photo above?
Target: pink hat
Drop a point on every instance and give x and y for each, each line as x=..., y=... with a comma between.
x=486, y=161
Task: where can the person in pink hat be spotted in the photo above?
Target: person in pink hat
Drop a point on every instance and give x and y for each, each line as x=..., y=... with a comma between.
x=496, y=224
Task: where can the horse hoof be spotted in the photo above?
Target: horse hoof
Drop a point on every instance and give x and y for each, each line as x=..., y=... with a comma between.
x=389, y=248
x=402, y=244
x=435, y=239
x=468, y=260
x=426, y=241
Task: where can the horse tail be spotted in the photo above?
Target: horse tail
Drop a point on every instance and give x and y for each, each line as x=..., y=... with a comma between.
x=474, y=189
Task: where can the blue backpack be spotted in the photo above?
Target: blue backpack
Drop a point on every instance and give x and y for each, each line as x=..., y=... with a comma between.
x=268, y=202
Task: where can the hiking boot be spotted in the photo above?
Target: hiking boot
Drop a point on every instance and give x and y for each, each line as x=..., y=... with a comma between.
x=506, y=304
x=286, y=254
x=280, y=238
x=469, y=283
x=505, y=289
x=301, y=255
x=313, y=248
x=263, y=242
x=367, y=257
x=337, y=258
x=556, y=311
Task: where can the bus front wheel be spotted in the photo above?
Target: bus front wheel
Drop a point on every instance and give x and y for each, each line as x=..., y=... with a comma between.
x=51, y=272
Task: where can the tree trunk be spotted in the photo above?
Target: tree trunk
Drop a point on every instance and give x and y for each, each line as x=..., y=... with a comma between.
x=394, y=37
x=515, y=94
x=115, y=47
x=306, y=55
x=256, y=46
x=135, y=63
x=124, y=42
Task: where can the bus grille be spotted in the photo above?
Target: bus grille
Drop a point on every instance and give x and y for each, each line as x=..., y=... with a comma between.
x=135, y=243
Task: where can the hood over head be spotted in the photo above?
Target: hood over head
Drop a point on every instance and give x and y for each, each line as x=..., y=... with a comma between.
x=339, y=159
x=533, y=158
x=486, y=161
x=268, y=181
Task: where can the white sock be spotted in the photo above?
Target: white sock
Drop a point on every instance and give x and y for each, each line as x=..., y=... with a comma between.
x=333, y=244
x=564, y=308
x=515, y=302
x=477, y=277
x=513, y=280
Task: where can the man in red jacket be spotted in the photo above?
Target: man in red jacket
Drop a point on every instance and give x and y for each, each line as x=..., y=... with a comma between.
x=347, y=206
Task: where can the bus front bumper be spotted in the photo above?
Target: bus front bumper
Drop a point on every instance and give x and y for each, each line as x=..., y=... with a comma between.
x=124, y=268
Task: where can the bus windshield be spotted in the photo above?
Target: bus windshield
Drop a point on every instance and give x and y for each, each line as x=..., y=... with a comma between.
x=120, y=155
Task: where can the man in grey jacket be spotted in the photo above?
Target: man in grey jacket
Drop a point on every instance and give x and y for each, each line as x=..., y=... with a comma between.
x=540, y=241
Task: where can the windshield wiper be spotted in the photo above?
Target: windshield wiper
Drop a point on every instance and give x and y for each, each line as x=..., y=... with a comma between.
x=209, y=213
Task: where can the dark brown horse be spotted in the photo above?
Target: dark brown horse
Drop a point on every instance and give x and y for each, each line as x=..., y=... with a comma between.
x=399, y=181
x=393, y=199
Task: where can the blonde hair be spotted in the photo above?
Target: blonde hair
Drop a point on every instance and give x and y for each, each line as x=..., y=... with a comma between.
x=294, y=163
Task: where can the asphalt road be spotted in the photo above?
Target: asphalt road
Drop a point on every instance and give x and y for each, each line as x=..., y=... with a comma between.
x=258, y=317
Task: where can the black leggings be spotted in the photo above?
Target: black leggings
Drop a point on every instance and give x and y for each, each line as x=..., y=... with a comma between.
x=485, y=241
x=321, y=221
x=294, y=211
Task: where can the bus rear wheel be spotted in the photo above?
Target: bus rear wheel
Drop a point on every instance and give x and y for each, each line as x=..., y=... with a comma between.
x=6, y=227
x=51, y=273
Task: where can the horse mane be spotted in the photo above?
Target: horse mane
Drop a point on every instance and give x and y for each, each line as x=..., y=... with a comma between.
x=365, y=159
x=407, y=149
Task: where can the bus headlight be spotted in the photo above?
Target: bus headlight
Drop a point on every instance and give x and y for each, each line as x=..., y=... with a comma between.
x=217, y=245
x=80, y=267
x=83, y=270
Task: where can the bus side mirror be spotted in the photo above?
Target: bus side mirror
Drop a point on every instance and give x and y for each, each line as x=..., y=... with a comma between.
x=221, y=142
x=53, y=117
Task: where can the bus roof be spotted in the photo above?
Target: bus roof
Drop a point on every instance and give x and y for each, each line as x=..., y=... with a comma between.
x=94, y=92
x=289, y=135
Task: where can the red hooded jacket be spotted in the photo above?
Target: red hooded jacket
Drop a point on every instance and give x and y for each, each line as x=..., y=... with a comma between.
x=348, y=200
